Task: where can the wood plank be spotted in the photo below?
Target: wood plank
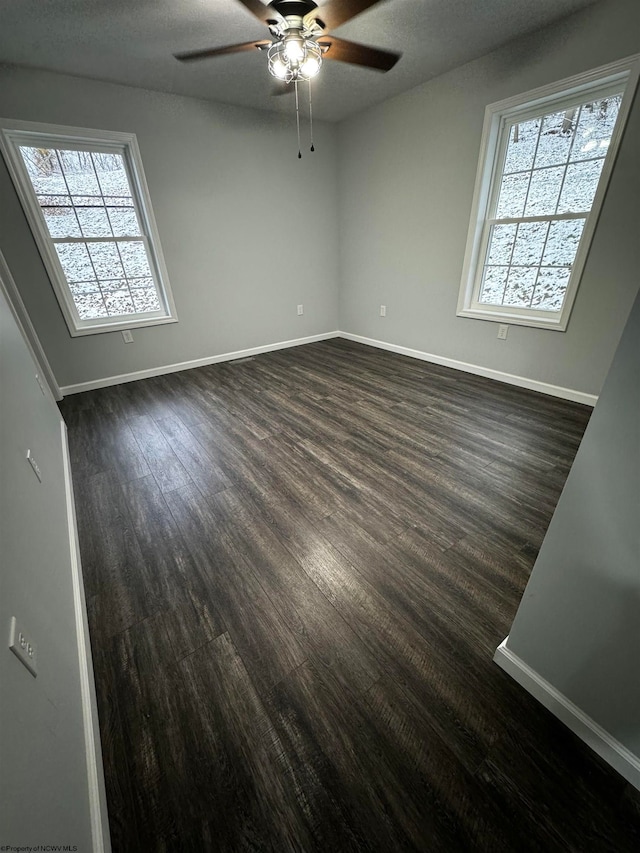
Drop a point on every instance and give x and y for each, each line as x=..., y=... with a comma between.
x=266, y=643
x=162, y=461
x=241, y=755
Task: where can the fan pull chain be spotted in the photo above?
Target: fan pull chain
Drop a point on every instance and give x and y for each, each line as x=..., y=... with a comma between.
x=310, y=118
x=295, y=83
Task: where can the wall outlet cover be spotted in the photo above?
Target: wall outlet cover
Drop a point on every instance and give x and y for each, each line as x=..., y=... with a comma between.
x=23, y=647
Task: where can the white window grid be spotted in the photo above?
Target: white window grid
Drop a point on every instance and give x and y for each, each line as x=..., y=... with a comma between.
x=492, y=220
x=28, y=134
x=616, y=78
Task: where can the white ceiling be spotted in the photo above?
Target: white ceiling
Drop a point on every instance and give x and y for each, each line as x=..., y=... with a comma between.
x=132, y=42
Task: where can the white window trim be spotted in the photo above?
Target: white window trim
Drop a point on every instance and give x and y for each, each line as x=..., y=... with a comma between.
x=14, y=133
x=625, y=71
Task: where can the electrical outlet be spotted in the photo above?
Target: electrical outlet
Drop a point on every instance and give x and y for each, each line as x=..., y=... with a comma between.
x=34, y=465
x=127, y=334
x=300, y=310
x=40, y=383
x=383, y=310
x=23, y=647
x=503, y=331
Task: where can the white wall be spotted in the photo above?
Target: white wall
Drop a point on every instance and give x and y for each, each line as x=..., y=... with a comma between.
x=248, y=230
x=44, y=782
x=578, y=624
x=407, y=169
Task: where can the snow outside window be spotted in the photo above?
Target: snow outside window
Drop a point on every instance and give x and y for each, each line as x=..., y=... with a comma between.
x=88, y=207
x=541, y=181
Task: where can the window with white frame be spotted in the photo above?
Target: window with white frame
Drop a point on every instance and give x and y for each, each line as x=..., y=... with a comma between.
x=88, y=206
x=545, y=161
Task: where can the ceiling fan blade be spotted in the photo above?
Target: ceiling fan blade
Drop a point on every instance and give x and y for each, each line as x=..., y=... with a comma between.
x=191, y=55
x=260, y=10
x=337, y=12
x=358, y=54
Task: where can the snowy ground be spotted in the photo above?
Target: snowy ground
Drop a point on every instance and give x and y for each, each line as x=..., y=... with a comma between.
x=552, y=166
x=88, y=195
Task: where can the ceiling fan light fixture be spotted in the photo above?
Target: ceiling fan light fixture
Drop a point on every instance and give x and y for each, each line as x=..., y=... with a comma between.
x=294, y=49
x=293, y=59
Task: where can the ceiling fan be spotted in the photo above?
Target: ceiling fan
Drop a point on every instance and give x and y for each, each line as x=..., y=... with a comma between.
x=300, y=39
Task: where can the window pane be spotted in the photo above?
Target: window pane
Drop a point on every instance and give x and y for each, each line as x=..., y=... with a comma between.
x=562, y=243
x=61, y=221
x=501, y=244
x=134, y=258
x=82, y=288
x=44, y=170
x=146, y=299
x=123, y=221
x=78, y=172
x=522, y=146
x=106, y=260
x=93, y=221
x=118, y=201
x=520, y=284
x=595, y=127
x=111, y=174
x=87, y=201
x=544, y=191
x=513, y=193
x=119, y=302
x=75, y=261
x=493, y=285
x=91, y=306
x=556, y=138
x=580, y=186
x=108, y=285
x=530, y=243
x=550, y=288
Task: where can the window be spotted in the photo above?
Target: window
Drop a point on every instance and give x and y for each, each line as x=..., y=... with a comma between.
x=87, y=203
x=545, y=162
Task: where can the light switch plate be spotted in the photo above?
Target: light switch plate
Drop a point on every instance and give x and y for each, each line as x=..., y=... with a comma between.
x=34, y=465
x=40, y=383
x=23, y=647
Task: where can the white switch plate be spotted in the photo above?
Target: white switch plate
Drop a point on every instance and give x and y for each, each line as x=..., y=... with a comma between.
x=383, y=310
x=23, y=647
x=300, y=310
x=127, y=334
x=40, y=383
x=34, y=465
x=503, y=331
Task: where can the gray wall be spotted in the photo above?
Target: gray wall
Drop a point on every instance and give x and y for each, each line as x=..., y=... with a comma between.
x=248, y=230
x=43, y=784
x=578, y=624
x=407, y=170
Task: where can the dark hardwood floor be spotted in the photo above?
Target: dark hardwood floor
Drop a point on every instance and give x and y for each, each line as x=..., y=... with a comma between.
x=297, y=570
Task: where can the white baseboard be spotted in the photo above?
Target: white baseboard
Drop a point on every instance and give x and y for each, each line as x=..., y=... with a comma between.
x=101, y=842
x=187, y=365
x=607, y=747
x=478, y=370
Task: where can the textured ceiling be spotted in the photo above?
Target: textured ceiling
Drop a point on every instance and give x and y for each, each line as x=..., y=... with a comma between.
x=132, y=42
